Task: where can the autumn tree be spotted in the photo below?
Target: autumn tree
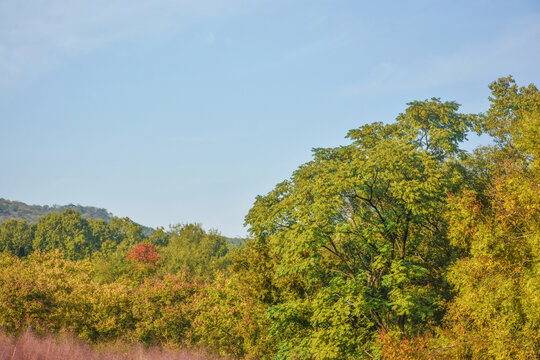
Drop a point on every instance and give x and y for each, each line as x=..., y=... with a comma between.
x=144, y=254
x=495, y=314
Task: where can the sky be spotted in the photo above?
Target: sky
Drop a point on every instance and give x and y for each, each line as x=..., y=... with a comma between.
x=184, y=111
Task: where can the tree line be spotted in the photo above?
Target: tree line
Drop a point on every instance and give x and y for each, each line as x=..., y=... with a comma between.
x=399, y=245
x=32, y=213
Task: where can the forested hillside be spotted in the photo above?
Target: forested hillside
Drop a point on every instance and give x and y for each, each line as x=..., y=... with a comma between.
x=398, y=245
x=18, y=210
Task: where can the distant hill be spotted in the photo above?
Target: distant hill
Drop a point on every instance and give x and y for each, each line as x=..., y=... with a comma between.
x=32, y=213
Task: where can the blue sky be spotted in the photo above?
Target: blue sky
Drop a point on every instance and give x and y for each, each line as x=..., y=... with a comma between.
x=183, y=111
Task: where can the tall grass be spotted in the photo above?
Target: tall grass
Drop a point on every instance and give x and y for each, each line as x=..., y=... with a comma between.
x=31, y=347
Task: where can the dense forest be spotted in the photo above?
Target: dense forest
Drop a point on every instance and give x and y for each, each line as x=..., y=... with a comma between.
x=399, y=245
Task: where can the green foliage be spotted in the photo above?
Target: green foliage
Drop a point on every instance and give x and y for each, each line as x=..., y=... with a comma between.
x=127, y=232
x=16, y=237
x=68, y=231
x=107, y=238
x=162, y=309
x=229, y=320
x=513, y=118
x=160, y=237
x=75, y=235
x=199, y=251
x=229, y=313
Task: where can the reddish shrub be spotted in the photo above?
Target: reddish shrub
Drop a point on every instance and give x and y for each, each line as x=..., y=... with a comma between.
x=145, y=254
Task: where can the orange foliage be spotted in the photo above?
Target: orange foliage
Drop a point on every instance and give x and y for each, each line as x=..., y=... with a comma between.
x=396, y=347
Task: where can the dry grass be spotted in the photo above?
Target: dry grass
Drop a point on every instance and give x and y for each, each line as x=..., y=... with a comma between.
x=31, y=347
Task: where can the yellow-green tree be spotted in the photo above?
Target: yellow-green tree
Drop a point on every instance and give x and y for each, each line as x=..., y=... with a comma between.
x=229, y=313
x=49, y=293
x=191, y=247
x=163, y=309
x=496, y=313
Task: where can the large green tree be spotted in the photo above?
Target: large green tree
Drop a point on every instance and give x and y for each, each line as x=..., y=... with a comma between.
x=358, y=237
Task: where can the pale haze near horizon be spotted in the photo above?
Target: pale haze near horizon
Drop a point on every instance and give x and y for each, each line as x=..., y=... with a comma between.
x=183, y=111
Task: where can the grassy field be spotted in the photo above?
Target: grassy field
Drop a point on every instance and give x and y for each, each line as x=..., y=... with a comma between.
x=31, y=347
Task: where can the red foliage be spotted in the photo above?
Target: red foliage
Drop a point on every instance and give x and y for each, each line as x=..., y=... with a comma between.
x=144, y=253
